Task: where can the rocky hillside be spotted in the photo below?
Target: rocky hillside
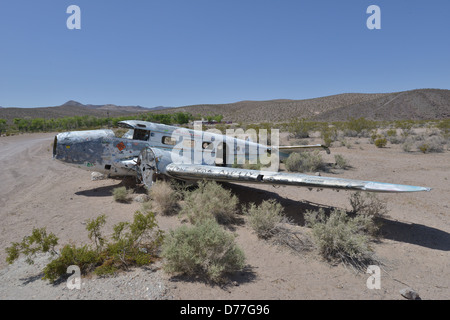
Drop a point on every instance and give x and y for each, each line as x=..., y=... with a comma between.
x=413, y=105
x=417, y=104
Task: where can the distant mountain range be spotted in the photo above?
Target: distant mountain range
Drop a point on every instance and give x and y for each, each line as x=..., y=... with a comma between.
x=74, y=108
x=419, y=104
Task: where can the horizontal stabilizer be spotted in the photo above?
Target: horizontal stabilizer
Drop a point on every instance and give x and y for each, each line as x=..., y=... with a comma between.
x=290, y=149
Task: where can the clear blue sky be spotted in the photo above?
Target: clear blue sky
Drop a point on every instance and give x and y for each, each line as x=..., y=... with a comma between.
x=182, y=52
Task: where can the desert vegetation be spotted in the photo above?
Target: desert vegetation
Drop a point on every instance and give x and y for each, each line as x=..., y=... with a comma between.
x=304, y=162
x=417, y=136
x=131, y=244
x=210, y=201
x=24, y=125
x=206, y=248
x=203, y=250
x=422, y=136
x=346, y=237
x=120, y=194
x=165, y=197
x=339, y=235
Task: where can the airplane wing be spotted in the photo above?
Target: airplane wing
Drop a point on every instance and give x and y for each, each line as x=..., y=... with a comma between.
x=153, y=161
x=227, y=174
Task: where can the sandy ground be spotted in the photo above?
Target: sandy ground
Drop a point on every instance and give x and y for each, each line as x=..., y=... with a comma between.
x=36, y=191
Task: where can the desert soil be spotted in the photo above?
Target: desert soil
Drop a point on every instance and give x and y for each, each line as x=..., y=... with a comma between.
x=36, y=191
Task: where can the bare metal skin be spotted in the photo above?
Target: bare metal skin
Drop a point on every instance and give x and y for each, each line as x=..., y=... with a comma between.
x=149, y=149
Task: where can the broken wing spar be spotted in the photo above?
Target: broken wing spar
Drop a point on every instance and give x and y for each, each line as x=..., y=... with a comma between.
x=227, y=174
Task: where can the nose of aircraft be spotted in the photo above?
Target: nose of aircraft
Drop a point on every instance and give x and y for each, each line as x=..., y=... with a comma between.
x=80, y=146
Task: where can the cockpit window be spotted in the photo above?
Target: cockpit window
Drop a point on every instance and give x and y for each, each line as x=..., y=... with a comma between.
x=123, y=133
x=168, y=140
x=140, y=134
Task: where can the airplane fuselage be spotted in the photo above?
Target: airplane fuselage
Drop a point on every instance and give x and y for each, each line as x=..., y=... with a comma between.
x=102, y=151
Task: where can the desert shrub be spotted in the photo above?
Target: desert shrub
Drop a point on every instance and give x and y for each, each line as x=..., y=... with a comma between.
x=269, y=223
x=404, y=124
x=345, y=143
x=84, y=257
x=340, y=162
x=120, y=194
x=210, y=200
x=304, y=162
x=133, y=244
x=39, y=241
x=431, y=144
x=391, y=132
x=364, y=133
x=407, y=146
x=265, y=218
x=378, y=139
x=423, y=147
x=396, y=139
x=370, y=206
x=341, y=238
x=328, y=135
x=380, y=142
x=393, y=138
x=360, y=124
x=444, y=125
x=204, y=249
x=299, y=128
x=93, y=226
x=350, y=133
x=165, y=197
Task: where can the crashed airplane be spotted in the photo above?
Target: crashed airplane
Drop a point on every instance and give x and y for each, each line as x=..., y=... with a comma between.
x=151, y=150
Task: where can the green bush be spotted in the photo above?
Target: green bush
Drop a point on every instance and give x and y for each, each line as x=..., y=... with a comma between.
x=210, y=201
x=165, y=197
x=204, y=249
x=265, y=218
x=304, y=162
x=299, y=128
x=360, y=124
x=134, y=244
x=38, y=241
x=370, y=206
x=329, y=135
x=380, y=142
x=431, y=144
x=391, y=132
x=120, y=194
x=84, y=257
x=340, y=237
x=406, y=146
x=340, y=162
